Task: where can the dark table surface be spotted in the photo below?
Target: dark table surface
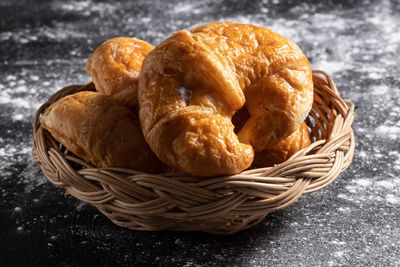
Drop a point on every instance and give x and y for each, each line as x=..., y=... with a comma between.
x=354, y=221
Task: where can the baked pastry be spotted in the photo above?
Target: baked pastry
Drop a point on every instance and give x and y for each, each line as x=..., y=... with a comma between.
x=115, y=66
x=285, y=149
x=101, y=131
x=192, y=84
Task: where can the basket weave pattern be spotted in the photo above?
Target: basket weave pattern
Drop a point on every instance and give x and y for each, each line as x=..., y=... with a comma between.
x=221, y=205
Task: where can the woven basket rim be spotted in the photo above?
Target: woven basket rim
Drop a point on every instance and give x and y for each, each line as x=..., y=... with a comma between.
x=221, y=205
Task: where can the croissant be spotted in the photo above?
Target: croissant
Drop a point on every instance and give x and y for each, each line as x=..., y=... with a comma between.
x=101, y=131
x=192, y=84
x=115, y=66
x=285, y=149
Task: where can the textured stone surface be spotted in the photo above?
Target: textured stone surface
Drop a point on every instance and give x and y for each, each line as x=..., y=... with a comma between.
x=354, y=221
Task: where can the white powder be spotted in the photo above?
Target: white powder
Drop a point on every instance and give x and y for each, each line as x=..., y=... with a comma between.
x=339, y=254
x=362, y=154
x=34, y=77
x=10, y=150
x=392, y=132
x=32, y=176
x=385, y=184
x=185, y=7
x=21, y=94
x=392, y=199
x=380, y=89
x=377, y=189
x=330, y=66
x=375, y=75
x=58, y=32
x=395, y=155
x=17, y=117
x=344, y=210
x=343, y=196
x=337, y=242
x=16, y=102
x=87, y=7
x=11, y=78
x=363, y=182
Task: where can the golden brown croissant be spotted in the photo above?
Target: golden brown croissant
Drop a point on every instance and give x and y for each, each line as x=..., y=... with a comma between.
x=115, y=67
x=101, y=131
x=193, y=83
x=285, y=149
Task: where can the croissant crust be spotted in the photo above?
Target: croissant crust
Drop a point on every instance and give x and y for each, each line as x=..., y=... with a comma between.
x=193, y=83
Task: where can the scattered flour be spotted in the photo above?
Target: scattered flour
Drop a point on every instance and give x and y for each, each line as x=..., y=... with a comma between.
x=385, y=184
x=186, y=7
x=392, y=132
x=330, y=66
x=392, y=199
x=339, y=254
x=20, y=92
x=32, y=177
x=17, y=117
x=375, y=76
x=57, y=32
x=373, y=190
x=344, y=209
x=363, y=182
x=396, y=156
x=16, y=102
x=380, y=89
x=337, y=242
x=362, y=154
x=86, y=7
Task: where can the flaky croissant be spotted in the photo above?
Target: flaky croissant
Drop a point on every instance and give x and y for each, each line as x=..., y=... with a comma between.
x=101, y=131
x=192, y=84
x=285, y=149
x=115, y=66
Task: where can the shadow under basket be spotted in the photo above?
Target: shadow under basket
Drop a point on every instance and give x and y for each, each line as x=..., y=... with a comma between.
x=219, y=205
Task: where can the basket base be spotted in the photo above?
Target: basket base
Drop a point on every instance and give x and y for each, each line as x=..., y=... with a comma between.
x=220, y=226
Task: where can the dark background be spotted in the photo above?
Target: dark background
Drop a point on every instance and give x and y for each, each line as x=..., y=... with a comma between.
x=354, y=221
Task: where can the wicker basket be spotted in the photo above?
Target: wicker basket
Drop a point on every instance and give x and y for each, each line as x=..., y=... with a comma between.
x=220, y=205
